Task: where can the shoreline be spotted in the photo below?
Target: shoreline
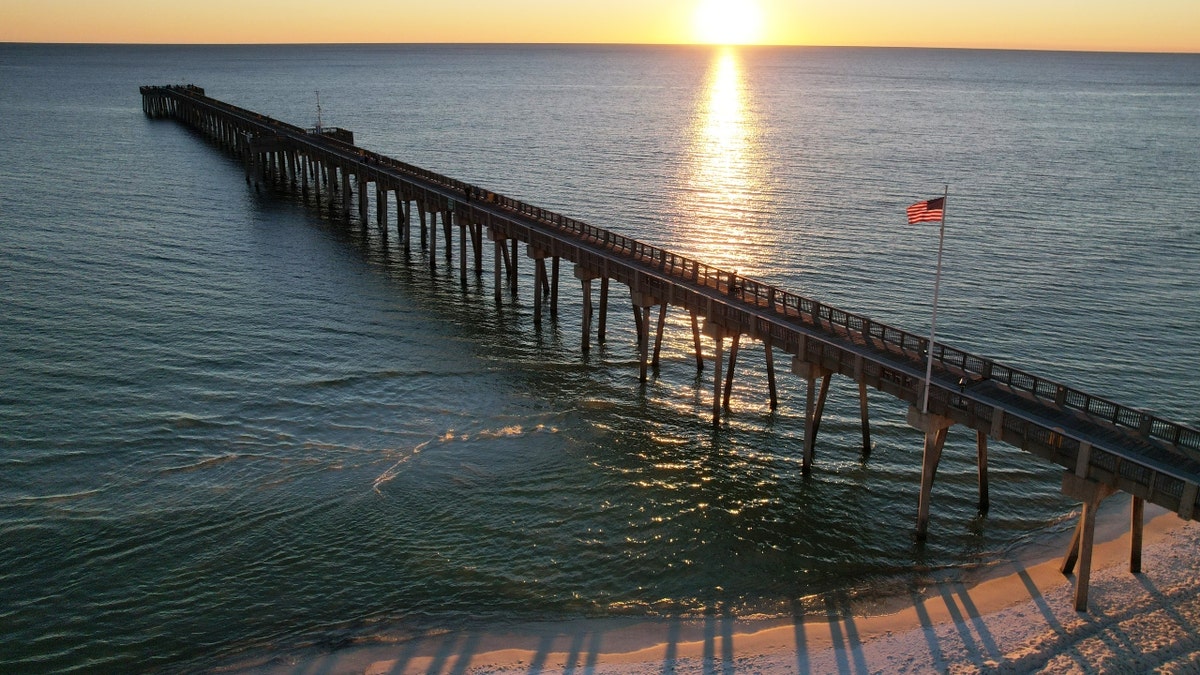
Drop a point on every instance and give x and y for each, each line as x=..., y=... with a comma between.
x=1018, y=616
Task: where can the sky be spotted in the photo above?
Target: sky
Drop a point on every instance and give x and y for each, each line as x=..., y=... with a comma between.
x=1082, y=25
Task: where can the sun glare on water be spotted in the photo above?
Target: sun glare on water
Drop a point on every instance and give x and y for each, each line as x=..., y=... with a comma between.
x=728, y=22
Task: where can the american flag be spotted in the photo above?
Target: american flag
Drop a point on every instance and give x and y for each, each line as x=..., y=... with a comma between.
x=928, y=211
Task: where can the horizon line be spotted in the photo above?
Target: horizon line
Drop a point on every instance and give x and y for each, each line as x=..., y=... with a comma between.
x=597, y=44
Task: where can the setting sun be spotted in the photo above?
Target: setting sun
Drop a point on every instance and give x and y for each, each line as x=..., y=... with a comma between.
x=728, y=22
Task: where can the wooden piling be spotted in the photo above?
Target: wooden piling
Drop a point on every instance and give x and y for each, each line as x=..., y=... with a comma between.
x=347, y=194
x=935, y=428
x=820, y=412
x=433, y=228
x=512, y=270
x=554, y=288
x=381, y=208
x=404, y=213
x=718, y=337
x=539, y=281
x=643, y=339
x=733, y=354
x=603, y=319
x=866, y=423
x=363, y=199
x=586, y=319
x=642, y=303
x=1091, y=493
x=662, y=321
x=1137, y=507
x=462, y=251
x=497, y=240
x=981, y=460
x=477, y=246
x=770, y=356
x=585, y=277
x=814, y=406
x=421, y=215
x=638, y=325
x=539, y=271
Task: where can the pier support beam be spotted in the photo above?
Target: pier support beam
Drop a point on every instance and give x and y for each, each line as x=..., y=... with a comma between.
x=981, y=455
x=421, y=216
x=499, y=241
x=364, y=201
x=696, y=340
x=291, y=168
x=477, y=243
x=381, y=208
x=1137, y=511
x=1091, y=494
x=814, y=406
x=433, y=219
x=462, y=248
x=866, y=420
x=585, y=277
x=733, y=354
x=512, y=269
x=935, y=428
x=768, y=348
x=539, y=280
x=554, y=288
x=404, y=220
x=662, y=322
x=642, y=302
x=602, y=327
x=718, y=334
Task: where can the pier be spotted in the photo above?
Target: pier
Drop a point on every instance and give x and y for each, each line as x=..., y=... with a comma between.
x=1103, y=447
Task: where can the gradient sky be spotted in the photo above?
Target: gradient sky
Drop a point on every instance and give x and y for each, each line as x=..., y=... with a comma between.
x=1103, y=25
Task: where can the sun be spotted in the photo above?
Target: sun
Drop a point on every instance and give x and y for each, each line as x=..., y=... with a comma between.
x=728, y=22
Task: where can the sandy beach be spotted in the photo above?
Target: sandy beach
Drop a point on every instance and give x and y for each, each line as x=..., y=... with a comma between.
x=1021, y=619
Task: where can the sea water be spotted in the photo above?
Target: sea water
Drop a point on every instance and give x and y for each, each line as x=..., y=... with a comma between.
x=232, y=424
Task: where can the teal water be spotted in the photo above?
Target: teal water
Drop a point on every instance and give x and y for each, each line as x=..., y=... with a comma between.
x=231, y=425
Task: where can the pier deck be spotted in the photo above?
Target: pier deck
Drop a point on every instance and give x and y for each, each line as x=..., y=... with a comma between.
x=1103, y=446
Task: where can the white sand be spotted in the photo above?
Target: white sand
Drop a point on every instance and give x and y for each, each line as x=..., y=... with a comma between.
x=1022, y=622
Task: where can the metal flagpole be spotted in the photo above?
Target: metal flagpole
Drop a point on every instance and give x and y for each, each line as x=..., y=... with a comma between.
x=937, y=282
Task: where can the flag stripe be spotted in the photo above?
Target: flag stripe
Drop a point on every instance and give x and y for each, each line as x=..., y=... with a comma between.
x=928, y=211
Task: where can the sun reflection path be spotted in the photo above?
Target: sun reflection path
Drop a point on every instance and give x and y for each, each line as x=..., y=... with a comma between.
x=721, y=206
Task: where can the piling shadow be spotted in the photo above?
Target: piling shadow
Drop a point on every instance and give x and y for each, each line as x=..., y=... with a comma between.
x=847, y=645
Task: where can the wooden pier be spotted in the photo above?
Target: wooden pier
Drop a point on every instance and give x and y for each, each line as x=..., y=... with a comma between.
x=1104, y=447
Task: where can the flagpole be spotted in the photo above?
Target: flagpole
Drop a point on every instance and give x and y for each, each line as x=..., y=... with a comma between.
x=937, y=282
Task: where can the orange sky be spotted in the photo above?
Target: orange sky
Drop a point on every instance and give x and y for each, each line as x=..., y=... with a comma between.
x=1104, y=25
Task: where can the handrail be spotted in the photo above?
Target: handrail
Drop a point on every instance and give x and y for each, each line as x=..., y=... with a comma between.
x=781, y=302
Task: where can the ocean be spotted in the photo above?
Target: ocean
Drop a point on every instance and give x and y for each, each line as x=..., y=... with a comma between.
x=234, y=426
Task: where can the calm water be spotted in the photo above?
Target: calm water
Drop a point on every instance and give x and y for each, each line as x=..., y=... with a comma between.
x=232, y=426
